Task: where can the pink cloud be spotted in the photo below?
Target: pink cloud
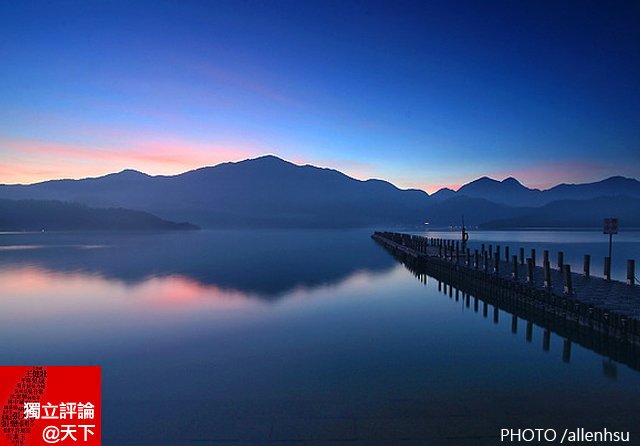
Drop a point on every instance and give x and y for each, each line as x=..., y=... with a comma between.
x=34, y=160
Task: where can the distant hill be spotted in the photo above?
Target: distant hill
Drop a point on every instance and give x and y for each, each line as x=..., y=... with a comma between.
x=576, y=213
x=475, y=210
x=508, y=191
x=261, y=192
x=512, y=193
x=50, y=215
x=271, y=192
x=443, y=194
x=611, y=187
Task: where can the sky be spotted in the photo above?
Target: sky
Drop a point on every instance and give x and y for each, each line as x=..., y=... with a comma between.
x=424, y=94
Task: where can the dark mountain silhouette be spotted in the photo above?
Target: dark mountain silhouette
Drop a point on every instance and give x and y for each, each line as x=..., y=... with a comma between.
x=614, y=186
x=509, y=204
x=261, y=192
x=475, y=210
x=51, y=215
x=270, y=192
x=513, y=193
x=508, y=191
x=443, y=194
x=576, y=213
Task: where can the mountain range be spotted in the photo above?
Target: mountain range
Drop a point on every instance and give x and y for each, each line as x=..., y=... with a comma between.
x=271, y=192
x=511, y=192
x=52, y=215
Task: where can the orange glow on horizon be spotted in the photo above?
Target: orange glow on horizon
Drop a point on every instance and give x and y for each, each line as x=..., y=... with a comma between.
x=433, y=188
x=39, y=160
x=30, y=160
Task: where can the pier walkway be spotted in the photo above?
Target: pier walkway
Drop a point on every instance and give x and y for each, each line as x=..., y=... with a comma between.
x=603, y=305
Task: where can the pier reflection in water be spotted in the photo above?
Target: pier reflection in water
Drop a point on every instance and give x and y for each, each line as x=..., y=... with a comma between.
x=546, y=338
x=612, y=347
x=268, y=326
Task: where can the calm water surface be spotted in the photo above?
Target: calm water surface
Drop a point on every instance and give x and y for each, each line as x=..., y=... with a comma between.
x=278, y=316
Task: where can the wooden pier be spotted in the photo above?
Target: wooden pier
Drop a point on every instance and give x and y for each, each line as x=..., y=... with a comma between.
x=574, y=302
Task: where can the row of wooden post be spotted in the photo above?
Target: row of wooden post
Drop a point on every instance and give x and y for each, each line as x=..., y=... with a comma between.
x=531, y=262
x=450, y=249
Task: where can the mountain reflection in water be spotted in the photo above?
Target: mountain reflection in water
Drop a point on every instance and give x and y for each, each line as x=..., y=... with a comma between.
x=261, y=325
x=267, y=264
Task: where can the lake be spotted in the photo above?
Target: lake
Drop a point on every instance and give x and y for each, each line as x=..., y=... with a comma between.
x=258, y=336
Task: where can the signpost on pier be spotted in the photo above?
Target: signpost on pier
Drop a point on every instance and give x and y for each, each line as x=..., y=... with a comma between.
x=465, y=236
x=610, y=227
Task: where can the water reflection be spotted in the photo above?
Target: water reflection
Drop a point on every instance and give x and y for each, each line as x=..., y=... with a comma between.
x=613, y=348
x=609, y=369
x=266, y=264
x=355, y=334
x=624, y=353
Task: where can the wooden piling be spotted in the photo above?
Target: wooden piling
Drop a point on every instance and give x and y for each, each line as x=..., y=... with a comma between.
x=530, y=263
x=521, y=256
x=546, y=340
x=533, y=256
x=568, y=287
x=560, y=260
x=566, y=351
x=587, y=265
x=631, y=272
x=607, y=268
x=547, y=275
x=514, y=267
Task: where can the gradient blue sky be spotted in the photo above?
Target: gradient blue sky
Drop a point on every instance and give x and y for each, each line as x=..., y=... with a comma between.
x=424, y=94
